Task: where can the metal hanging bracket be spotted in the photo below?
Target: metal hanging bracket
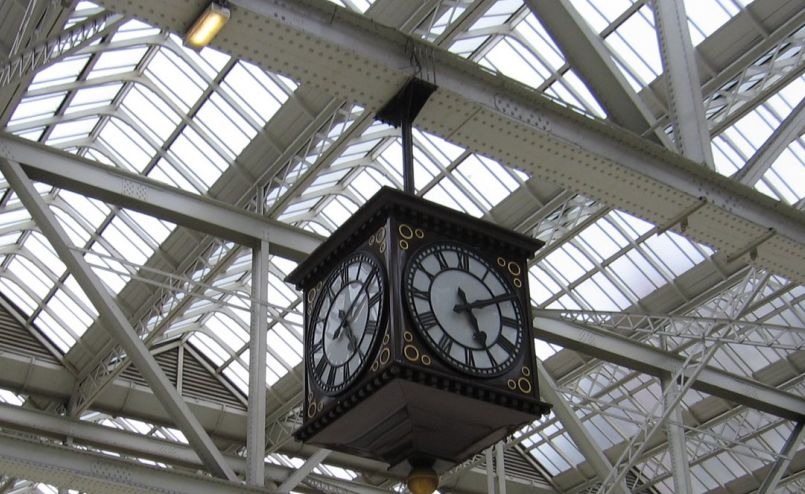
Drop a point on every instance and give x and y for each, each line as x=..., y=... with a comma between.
x=401, y=111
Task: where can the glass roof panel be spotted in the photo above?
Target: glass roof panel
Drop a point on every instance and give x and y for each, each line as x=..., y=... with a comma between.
x=153, y=117
x=356, y=5
x=118, y=61
x=742, y=140
x=133, y=29
x=641, y=60
x=705, y=16
x=67, y=70
x=125, y=145
x=36, y=108
x=93, y=96
x=179, y=83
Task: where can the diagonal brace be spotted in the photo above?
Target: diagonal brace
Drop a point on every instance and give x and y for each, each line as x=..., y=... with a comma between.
x=116, y=322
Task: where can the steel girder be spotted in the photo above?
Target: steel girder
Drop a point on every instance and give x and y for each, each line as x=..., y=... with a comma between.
x=130, y=190
x=339, y=51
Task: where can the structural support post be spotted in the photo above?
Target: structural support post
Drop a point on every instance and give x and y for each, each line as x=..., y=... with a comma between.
x=116, y=322
x=685, y=102
x=256, y=418
x=592, y=452
x=676, y=439
x=500, y=468
x=781, y=465
x=490, y=470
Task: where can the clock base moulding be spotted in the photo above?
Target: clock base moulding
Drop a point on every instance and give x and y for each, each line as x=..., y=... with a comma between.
x=406, y=412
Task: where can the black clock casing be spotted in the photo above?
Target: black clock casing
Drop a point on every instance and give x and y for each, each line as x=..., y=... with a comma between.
x=412, y=400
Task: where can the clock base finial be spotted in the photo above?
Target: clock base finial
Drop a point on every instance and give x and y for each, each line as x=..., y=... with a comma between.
x=423, y=478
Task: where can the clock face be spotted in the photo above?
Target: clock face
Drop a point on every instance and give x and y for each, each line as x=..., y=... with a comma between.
x=345, y=322
x=467, y=312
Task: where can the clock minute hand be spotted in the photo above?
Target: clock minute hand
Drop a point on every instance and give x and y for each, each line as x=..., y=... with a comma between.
x=478, y=335
x=467, y=306
x=352, y=306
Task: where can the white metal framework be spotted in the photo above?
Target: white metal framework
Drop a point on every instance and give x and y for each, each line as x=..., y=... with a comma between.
x=153, y=198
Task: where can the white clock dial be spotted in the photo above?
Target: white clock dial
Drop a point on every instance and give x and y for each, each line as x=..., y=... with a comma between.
x=468, y=313
x=345, y=322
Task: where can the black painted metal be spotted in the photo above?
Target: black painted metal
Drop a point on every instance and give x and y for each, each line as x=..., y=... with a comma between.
x=401, y=112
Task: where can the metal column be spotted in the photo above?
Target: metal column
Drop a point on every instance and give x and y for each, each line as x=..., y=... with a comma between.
x=256, y=418
x=500, y=468
x=676, y=439
x=490, y=469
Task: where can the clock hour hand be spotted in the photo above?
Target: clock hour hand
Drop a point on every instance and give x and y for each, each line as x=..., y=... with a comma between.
x=352, y=344
x=468, y=306
x=478, y=335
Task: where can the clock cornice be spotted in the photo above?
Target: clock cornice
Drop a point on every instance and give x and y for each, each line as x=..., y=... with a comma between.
x=391, y=202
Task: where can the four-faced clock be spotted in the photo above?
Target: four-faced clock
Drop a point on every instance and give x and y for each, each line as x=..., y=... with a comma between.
x=465, y=310
x=345, y=322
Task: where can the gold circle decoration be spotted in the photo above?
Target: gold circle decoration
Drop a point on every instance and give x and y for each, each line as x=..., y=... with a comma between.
x=385, y=355
x=386, y=339
x=382, y=247
x=411, y=353
x=375, y=366
x=403, y=244
x=524, y=385
x=425, y=359
x=526, y=371
x=311, y=295
x=372, y=240
x=380, y=234
x=514, y=268
x=418, y=233
x=518, y=283
x=320, y=406
x=311, y=409
x=408, y=337
x=501, y=262
x=406, y=231
x=511, y=384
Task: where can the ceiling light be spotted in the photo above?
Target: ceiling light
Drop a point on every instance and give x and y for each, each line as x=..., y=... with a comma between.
x=207, y=26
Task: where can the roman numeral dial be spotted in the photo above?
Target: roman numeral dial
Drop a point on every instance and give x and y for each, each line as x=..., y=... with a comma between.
x=466, y=310
x=346, y=322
